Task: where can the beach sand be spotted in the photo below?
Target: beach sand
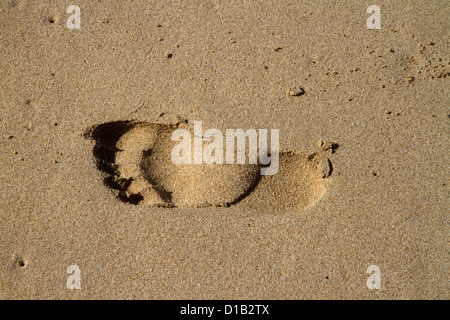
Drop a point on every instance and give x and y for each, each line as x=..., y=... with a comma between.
x=363, y=120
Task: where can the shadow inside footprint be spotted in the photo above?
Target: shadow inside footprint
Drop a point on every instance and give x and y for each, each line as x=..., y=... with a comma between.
x=135, y=160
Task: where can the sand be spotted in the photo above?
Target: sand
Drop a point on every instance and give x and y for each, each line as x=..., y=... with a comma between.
x=86, y=178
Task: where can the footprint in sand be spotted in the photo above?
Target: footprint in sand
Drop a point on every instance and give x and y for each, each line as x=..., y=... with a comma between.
x=135, y=161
